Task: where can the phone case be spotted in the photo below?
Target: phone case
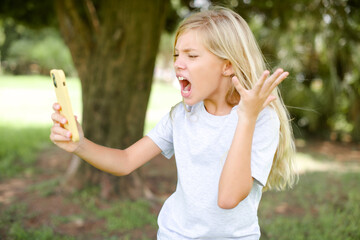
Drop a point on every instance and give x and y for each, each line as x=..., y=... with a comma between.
x=62, y=95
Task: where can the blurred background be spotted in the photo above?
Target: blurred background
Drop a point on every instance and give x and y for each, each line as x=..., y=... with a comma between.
x=117, y=56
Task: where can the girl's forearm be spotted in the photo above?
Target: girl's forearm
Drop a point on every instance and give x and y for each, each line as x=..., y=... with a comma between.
x=110, y=160
x=236, y=181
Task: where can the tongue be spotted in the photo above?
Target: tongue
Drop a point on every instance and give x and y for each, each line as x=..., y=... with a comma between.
x=187, y=87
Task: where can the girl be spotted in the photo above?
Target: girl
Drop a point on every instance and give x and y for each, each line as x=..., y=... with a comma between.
x=231, y=136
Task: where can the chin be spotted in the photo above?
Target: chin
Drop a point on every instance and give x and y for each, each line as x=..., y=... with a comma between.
x=190, y=102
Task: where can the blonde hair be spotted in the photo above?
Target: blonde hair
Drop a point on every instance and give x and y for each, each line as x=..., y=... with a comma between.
x=227, y=35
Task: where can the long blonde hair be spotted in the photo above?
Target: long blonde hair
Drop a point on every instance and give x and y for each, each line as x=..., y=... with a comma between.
x=227, y=35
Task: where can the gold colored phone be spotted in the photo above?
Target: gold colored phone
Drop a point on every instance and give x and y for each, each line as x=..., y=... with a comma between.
x=62, y=95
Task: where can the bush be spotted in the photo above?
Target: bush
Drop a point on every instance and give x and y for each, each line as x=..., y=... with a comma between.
x=38, y=52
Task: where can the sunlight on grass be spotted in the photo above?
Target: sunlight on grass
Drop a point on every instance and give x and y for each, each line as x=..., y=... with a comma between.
x=307, y=163
x=27, y=100
x=163, y=97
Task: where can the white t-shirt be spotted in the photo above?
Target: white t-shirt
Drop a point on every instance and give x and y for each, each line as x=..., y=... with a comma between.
x=200, y=142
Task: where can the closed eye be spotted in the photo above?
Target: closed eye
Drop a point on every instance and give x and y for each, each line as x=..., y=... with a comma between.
x=190, y=56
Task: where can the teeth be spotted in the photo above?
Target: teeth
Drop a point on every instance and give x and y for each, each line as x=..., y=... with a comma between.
x=181, y=78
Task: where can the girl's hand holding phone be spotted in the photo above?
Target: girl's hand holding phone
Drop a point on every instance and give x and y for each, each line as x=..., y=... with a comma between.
x=61, y=136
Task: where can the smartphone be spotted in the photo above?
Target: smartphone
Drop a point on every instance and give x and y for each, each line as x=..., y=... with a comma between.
x=62, y=95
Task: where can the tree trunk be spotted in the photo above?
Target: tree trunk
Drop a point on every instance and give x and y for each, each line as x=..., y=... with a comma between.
x=114, y=45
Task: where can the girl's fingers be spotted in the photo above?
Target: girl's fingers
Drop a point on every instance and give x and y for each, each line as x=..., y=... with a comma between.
x=279, y=80
x=58, y=118
x=269, y=100
x=58, y=130
x=59, y=138
x=237, y=85
x=56, y=107
x=261, y=80
x=269, y=82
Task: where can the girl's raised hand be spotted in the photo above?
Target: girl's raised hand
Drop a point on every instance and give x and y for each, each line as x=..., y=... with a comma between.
x=61, y=136
x=254, y=100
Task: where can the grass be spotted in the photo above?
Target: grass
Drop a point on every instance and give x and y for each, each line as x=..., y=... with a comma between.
x=19, y=147
x=13, y=217
x=321, y=206
x=324, y=205
x=120, y=216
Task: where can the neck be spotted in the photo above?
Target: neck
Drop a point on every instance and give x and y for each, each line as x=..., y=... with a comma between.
x=217, y=108
x=217, y=104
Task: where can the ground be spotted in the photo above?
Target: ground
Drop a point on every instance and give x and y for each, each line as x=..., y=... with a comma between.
x=48, y=205
x=42, y=206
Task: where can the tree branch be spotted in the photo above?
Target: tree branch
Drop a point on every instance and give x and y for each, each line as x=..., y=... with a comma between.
x=75, y=31
x=92, y=15
x=76, y=26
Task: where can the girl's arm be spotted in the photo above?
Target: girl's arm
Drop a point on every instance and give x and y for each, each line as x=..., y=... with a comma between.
x=114, y=161
x=236, y=180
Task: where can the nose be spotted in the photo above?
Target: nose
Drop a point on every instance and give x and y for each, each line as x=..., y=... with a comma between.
x=179, y=64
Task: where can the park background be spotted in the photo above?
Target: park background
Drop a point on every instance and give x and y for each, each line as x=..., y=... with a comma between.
x=46, y=193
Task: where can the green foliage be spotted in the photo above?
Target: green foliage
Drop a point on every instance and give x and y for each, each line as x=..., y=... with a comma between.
x=29, y=12
x=44, y=48
x=317, y=42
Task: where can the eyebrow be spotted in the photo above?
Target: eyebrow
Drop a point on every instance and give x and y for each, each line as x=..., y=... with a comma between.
x=186, y=49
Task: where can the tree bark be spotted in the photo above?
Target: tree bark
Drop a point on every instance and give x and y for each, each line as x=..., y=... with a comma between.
x=113, y=45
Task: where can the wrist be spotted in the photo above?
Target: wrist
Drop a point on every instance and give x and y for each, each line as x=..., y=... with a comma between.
x=80, y=147
x=247, y=119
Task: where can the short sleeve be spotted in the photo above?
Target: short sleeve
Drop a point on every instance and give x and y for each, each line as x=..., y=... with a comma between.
x=162, y=135
x=264, y=145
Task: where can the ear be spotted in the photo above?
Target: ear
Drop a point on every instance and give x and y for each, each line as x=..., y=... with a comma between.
x=228, y=69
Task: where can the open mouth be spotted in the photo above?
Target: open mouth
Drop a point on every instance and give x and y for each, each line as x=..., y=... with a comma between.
x=185, y=87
